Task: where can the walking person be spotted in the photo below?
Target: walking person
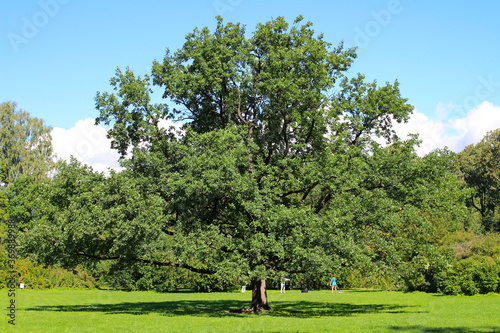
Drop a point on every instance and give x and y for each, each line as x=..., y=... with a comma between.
x=283, y=280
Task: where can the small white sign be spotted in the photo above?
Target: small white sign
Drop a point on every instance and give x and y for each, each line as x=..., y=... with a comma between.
x=243, y=289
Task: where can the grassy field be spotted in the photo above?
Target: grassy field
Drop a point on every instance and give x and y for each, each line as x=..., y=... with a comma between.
x=316, y=311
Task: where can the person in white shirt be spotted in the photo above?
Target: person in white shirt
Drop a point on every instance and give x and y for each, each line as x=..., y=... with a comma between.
x=283, y=280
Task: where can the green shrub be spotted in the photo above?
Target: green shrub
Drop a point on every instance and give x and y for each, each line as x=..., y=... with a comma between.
x=39, y=277
x=425, y=269
x=468, y=245
x=474, y=275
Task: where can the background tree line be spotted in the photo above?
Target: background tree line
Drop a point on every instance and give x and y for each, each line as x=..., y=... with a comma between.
x=277, y=171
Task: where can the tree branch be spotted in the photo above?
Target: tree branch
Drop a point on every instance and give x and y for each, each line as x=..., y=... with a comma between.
x=323, y=203
x=272, y=265
x=310, y=131
x=151, y=262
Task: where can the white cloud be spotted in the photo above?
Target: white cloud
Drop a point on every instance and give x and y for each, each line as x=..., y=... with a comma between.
x=454, y=134
x=87, y=142
x=479, y=121
x=167, y=123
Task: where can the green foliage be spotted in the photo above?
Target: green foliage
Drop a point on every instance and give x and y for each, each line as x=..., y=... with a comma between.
x=424, y=273
x=39, y=277
x=27, y=201
x=92, y=212
x=277, y=170
x=221, y=78
x=147, y=277
x=471, y=276
x=25, y=143
x=479, y=166
x=349, y=278
x=258, y=182
x=467, y=245
x=465, y=264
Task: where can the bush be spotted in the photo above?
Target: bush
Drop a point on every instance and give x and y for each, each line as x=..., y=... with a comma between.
x=468, y=245
x=423, y=272
x=40, y=277
x=474, y=275
x=357, y=278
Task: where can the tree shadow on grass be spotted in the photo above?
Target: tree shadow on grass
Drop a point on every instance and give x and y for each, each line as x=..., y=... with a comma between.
x=325, y=309
x=423, y=329
x=221, y=308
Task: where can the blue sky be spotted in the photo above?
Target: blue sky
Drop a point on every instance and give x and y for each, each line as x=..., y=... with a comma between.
x=56, y=54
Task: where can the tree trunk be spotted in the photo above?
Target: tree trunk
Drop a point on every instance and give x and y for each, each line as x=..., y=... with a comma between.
x=259, y=296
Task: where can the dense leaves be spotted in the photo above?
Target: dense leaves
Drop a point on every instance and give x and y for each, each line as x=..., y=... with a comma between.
x=85, y=215
x=278, y=170
x=25, y=143
x=479, y=165
x=275, y=172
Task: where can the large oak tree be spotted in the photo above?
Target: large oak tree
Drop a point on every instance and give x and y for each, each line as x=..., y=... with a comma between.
x=277, y=169
x=273, y=131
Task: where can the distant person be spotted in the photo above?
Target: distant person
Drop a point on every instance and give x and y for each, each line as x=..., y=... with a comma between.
x=333, y=283
x=283, y=280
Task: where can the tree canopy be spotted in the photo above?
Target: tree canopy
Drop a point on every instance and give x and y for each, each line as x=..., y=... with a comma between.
x=479, y=165
x=268, y=142
x=25, y=143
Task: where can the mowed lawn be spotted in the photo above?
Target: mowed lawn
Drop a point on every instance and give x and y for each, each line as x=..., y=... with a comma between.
x=316, y=311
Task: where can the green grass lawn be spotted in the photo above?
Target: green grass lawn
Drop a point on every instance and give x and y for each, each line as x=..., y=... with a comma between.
x=316, y=311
